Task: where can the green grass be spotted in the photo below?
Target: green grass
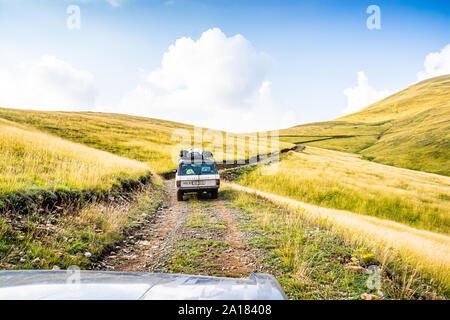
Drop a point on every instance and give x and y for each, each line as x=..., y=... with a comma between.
x=409, y=129
x=343, y=181
x=39, y=241
x=312, y=262
x=202, y=216
x=144, y=139
x=336, y=135
x=32, y=160
x=425, y=95
x=196, y=256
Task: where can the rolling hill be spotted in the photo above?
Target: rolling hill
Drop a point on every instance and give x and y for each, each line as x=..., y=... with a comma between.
x=144, y=139
x=409, y=129
x=60, y=199
x=33, y=161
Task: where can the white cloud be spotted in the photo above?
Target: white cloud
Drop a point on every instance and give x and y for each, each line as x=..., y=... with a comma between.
x=436, y=64
x=48, y=84
x=362, y=95
x=217, y=81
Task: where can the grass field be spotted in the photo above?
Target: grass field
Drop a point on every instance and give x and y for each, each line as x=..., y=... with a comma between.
x=314, y=245
x=36, y=168
x=42, y=241
x=410, y=129
x=31, y=160
x=313, y=259
x=344, y=181
x=152, y=141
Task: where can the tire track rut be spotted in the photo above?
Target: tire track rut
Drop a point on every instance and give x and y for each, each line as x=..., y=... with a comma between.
x=197, y=236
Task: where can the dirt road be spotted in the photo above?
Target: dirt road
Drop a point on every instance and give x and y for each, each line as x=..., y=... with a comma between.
x=197, y=236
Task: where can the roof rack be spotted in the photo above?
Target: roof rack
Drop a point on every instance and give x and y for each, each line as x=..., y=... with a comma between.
x=195, y=154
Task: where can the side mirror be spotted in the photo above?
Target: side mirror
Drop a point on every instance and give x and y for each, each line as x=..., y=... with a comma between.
x=174, y=171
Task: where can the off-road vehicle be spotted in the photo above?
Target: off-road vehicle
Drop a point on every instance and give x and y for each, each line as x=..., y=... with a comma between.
x=197, y=172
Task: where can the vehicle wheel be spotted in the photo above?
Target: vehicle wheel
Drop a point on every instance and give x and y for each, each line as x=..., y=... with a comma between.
x=180, y=195
x=214, y=194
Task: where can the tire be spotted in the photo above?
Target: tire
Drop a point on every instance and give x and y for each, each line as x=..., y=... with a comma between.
x=214, y=194
x=180, y=195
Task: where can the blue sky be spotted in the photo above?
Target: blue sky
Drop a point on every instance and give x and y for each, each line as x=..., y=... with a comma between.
x=302, y=56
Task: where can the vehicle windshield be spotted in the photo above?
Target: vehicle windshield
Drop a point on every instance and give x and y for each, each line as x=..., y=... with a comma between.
x=197, y=168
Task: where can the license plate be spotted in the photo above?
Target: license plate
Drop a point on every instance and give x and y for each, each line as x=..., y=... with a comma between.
x=196, y=183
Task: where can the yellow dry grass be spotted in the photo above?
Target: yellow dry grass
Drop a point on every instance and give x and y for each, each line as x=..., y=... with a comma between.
x=345, y=181
x=153, y=141
x=31, y=159
x=428, y=251
x=432, y=93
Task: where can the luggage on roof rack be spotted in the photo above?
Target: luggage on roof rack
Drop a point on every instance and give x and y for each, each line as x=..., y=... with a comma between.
x=207, y=154
x=195, y=154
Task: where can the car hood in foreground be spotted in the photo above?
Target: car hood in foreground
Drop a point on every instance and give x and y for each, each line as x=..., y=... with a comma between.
x=99, y=285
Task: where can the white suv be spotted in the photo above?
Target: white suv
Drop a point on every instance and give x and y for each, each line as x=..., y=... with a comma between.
x=197, y=172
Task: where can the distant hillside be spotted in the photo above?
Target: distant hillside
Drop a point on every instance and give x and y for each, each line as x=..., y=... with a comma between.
x=144, y=139
x=32, y=161
x=429, y=94
x=409, y=129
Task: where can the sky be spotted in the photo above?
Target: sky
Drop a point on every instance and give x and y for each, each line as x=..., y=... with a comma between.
x=234, y=65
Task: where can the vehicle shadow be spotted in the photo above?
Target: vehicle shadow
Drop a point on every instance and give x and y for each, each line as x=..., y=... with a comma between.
x=198, y=196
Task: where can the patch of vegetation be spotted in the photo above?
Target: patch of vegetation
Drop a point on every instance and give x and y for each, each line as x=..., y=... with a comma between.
x=196, y=256
x=444, y=196
x=32, y=162
x=63, y=199
x=343, y=181
x=236, y=173
x=368, y=158
x=38, y=241
x=312, y=262
x=201, y=217
x=336, y=135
